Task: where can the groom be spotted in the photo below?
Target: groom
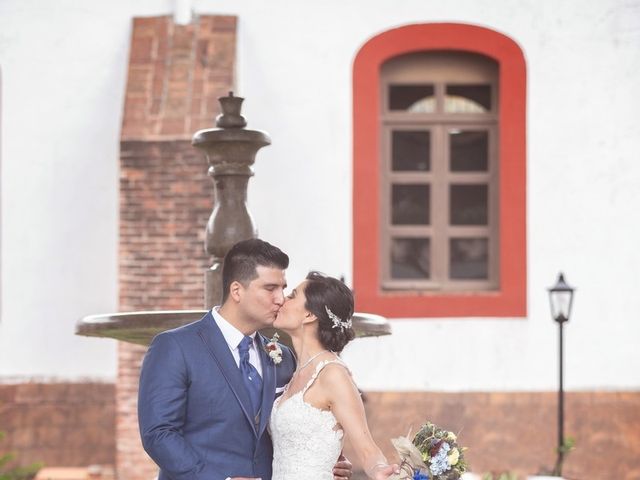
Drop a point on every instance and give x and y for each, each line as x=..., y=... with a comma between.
x=207, y=388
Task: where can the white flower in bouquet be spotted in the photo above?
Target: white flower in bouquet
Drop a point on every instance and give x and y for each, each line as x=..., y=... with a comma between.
x=454, y=455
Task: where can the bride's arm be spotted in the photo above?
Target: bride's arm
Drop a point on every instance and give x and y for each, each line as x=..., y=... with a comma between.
x=345, y=403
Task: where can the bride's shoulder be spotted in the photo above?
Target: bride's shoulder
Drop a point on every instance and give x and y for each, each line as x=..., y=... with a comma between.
x=335, y=373
x=338, y=385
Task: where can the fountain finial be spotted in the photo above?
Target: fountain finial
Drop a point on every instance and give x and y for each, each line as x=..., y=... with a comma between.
x=230, y=116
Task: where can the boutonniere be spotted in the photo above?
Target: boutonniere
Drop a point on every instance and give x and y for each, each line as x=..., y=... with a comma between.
x=273, y=349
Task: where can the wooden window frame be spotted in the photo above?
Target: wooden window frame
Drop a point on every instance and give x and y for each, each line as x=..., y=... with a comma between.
x=438, y=70
x=508, y=299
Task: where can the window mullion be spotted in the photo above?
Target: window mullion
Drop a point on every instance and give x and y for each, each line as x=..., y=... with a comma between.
x=494, y=209
x=385, y=203
x=440, y=207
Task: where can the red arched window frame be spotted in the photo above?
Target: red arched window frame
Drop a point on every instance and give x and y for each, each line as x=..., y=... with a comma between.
x=510, y=300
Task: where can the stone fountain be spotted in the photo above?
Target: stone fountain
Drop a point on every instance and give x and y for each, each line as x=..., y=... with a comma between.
x=230, y=149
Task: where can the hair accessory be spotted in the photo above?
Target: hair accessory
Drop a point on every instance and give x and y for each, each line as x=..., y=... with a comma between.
x=337, y=321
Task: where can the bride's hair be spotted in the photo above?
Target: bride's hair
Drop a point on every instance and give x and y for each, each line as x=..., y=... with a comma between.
x=324, y=294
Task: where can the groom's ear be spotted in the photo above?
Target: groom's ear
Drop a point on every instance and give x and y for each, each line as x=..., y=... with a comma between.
x=235, y=291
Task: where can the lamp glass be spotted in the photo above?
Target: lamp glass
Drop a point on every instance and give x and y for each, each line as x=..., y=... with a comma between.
x=561, y=304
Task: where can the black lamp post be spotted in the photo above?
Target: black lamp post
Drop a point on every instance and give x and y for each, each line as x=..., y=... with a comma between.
x=561, y=298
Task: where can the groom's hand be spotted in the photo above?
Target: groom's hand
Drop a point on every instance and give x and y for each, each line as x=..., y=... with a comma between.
x=343, y=469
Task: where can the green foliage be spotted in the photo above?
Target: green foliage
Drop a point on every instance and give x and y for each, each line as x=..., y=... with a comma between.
x=568, y=445
x=563, y=450
x=8, y=472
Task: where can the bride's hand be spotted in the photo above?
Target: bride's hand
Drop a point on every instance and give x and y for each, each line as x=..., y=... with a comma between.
x=382, y=471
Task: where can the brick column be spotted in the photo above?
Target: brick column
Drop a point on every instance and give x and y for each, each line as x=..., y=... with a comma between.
x=176, y=74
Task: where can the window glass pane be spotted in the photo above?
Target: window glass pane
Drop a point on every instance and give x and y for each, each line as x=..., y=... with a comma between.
x=412, y=98
x=468, y=205
x=410, y=258
x=469, y=151
x=467, y=99
x=468, y=258
x=410, y=204
x=410, y=150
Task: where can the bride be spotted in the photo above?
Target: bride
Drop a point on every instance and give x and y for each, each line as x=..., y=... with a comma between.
x=321, y=404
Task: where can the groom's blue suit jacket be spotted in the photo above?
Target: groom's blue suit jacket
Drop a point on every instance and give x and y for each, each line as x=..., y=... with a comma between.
x=194, y=410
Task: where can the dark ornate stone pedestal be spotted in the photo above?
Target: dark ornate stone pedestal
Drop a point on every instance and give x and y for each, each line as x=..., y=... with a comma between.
x=230, y=151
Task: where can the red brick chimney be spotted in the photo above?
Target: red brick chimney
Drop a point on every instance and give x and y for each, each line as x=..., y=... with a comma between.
x=176, y=74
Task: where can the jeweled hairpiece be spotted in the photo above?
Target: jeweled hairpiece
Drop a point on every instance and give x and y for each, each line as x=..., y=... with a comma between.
x=337, y=321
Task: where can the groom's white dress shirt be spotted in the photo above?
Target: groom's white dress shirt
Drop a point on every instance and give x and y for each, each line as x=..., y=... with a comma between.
x=233, y=336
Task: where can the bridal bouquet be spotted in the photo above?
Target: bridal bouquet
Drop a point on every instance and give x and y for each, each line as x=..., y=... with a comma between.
x=433, y=454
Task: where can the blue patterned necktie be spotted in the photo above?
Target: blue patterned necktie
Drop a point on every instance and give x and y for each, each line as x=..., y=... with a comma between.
x=250, y=376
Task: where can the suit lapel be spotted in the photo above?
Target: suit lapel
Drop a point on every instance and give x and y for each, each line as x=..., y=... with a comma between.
x=268, y=383
x=219, y=350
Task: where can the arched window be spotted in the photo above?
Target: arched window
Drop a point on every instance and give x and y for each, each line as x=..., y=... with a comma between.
x=439, y=150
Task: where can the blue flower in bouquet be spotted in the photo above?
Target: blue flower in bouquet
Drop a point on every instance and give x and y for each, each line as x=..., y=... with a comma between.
x=440, y=463
x=418, y=475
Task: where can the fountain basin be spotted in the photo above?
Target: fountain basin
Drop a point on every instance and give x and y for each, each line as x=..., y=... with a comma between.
x=141, y=327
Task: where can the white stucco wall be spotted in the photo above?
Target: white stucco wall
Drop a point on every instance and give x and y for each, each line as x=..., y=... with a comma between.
x=63, y=81
x=64, y=73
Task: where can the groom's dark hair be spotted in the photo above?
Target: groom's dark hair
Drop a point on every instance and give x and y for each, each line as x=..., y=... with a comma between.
x=244, y=257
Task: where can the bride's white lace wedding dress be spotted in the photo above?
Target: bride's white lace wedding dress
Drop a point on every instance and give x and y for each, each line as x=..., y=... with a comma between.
x=306, y=442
